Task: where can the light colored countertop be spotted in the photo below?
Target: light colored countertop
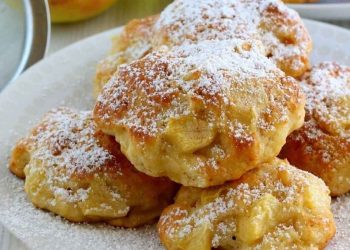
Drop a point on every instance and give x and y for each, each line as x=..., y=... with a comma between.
x=63, y=35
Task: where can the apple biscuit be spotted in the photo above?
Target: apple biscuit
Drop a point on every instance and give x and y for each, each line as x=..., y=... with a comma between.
x=322, y=145
x=201, y=114
x=276, y=206
x=280, y=28
x=74, y=170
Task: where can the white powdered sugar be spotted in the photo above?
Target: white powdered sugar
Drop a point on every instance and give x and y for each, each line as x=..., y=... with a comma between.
x=138, y=49
x=341, y=211
x=327, y=87
x=239, y=58
x=216, y=19
x=65, y=139
x=46, y=231
x=68, y=195
x=327, y=81
x=187, y=21
x=327, y=122
x=62, y=145
x=42, y=229
x=190, y=20
x=207, y=71
x=232, y=201
x=41, y=88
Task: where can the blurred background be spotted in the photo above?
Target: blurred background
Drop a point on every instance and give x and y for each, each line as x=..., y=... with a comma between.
x=118, y=14
x=25, y=26
x=76, y=19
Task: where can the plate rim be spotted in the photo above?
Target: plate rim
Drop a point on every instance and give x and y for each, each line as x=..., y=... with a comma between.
x=8, y=87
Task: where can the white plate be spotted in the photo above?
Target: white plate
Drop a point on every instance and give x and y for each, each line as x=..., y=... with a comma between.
x=325, y=9
x=65, y=79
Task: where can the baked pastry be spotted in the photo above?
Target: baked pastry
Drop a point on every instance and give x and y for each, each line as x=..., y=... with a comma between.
x=276, y=206
x=79, y=173
x=201, y=114
x=322, y=145
x=280, y=28
x=133, y=43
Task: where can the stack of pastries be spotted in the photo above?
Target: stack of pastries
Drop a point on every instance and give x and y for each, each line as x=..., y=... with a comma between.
x=193, y=108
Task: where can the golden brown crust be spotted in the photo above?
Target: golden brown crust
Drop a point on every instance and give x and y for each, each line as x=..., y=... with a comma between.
x=134, y=32
x=188, y=113
x=133, y=43
x=322, y=145
x=273, y=207
x=280, y=29
x=76, y=171
x=19, y=158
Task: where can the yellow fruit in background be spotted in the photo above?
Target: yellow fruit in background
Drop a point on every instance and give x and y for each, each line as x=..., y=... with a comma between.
x=64, y=11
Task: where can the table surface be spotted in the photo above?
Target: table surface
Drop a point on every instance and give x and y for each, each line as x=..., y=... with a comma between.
x=63, y=35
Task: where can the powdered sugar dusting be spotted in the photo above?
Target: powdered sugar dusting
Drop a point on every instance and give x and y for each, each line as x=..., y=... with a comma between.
x=326, y=131
x=49, y=232
x=65, y=144
x=66, y=140
x=186, y=21
x=29, y=100
x=327, y=87
x=208, y=71
x=341, y=211
x=218, y=214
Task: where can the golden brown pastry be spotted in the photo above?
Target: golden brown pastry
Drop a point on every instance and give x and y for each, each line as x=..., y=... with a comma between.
x=74, y=170
x=201, y=114
x=280, y=28
x=322, y=145
x=276, y=206
x=133, y=43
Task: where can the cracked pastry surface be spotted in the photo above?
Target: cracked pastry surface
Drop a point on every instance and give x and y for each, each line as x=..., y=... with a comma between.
x=279, y=28
x=276, y=206
x=322, y=145
x=201, y=114
x=74, y=170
